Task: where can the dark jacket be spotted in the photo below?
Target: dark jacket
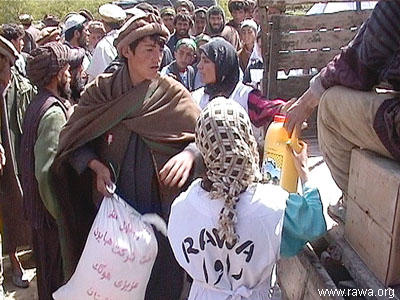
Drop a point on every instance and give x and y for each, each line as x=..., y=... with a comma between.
x=172, y=69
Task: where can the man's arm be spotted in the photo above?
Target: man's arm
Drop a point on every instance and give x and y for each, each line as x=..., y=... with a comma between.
x=360, y=65
x=45, y=150
x=84, y=158
x=261, y=110
x=177, y=170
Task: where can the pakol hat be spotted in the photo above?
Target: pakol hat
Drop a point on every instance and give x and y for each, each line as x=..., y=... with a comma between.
x=47, y=33
x=111, y=13
x=138, y=27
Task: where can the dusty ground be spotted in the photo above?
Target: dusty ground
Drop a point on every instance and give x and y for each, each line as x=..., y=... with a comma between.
x=13, y=292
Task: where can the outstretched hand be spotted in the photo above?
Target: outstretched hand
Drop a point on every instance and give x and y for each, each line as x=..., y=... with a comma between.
x=300, y=110
x=176, y=171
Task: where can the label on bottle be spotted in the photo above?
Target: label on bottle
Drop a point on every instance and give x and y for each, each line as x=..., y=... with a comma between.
x=272, y=168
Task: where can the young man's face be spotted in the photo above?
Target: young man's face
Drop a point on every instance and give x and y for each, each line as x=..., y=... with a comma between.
x=199, y=25
x=182, y=28
x=184, y=56
x=145, y=61
x=248, y=36
x=207, y=70
x=168, y=21
x=216, y=21
x=238, y=15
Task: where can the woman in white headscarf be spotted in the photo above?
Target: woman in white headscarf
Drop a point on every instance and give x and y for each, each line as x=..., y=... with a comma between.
x=228, y=230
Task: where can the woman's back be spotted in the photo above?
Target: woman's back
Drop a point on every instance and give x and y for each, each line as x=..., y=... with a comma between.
x=221, y=270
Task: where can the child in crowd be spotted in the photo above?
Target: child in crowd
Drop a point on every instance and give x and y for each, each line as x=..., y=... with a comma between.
x=181, y=68
x=228, y=230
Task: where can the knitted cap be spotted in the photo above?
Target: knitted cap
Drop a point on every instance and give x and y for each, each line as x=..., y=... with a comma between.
x=73, y=21
x=186, y=41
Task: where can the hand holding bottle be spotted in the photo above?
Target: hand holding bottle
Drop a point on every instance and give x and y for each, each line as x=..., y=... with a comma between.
x=301, y=161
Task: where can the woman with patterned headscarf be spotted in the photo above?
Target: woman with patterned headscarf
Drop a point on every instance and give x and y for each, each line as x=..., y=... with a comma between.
x=220, y=72
x=228, y=230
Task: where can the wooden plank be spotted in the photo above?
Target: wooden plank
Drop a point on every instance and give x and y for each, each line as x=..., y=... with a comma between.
x=265, y=3
x=344, y=19
x=335, y=40
x=305, y=60
x=291, y=87
x=272, y=62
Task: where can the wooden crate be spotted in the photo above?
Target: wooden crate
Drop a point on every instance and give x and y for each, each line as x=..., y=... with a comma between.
x=373, y=214
x=305, y=43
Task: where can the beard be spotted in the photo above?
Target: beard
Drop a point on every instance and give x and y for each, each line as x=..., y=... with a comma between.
x=77, y=86
x=216, y=30
x=64, y=89
x=83, y=42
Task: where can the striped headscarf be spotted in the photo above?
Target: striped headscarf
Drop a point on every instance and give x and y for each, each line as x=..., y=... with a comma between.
x=225, y=139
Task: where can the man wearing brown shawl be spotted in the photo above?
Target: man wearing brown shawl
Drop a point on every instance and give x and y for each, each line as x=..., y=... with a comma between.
x=130, y=127
x=48, y=68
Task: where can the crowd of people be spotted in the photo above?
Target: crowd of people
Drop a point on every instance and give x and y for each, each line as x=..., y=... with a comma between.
x=164, y=104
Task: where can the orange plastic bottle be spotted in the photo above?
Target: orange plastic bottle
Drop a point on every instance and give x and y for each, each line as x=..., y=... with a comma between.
x=278, y=165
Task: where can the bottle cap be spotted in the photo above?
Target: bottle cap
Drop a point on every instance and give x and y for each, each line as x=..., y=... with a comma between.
x=279, y=118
